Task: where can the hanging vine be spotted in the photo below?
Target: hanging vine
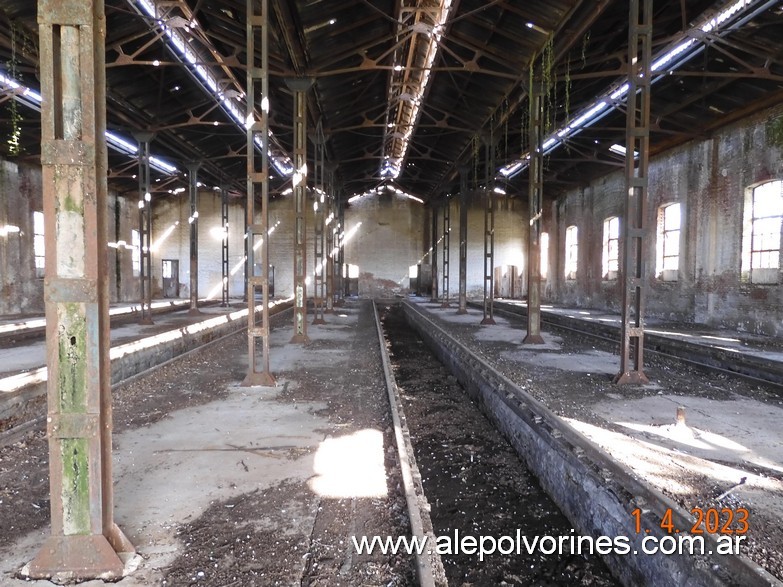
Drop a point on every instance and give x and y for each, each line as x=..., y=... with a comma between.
x=14, y=138
x=585, y=42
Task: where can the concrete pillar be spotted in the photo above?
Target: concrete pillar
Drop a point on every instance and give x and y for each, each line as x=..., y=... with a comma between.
x=84, y=541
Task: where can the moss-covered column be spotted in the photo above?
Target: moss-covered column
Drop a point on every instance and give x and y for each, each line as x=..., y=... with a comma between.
x=84, y=542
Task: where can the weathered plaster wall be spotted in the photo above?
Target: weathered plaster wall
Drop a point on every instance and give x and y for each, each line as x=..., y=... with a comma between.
x=711, y=179
x=510, y=241
x=21, y=292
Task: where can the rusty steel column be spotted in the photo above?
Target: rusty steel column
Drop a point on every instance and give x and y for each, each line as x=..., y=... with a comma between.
x=339, y=245
x=84, y=541
x=535, y=198
x=258, y=372
x=636, y=181
x=145, y=226
x=299, y=87
x=446, y=231
x=319, y=206
x=434, y=252
x=224, y=261
x=329, y=238
x=463, y=240
x=193, y=168
x=489, y=236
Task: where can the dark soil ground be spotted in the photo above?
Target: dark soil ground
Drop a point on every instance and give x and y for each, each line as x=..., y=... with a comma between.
x=247, y=540
x=473, y=478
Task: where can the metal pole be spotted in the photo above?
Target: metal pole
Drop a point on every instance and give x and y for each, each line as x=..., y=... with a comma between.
x=535, y=195
x=446, y=231
x=225, y=272
x=84, y=539
x=319, y=206
x=463, y=240
x=636, y=178
x=145, y=226
x=489, y=236
x=329, y=236
x=434, y=252
x=258, y=372
x=193, y=168
x=299, y=87
x=341, y=278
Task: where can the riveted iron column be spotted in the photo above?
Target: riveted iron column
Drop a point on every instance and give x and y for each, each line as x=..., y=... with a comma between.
x=319, y=206
x=463, y=240
x=224, y=263
x=84, y=539
x=489, y=237
x=258, y=372
x=329, y=236
x=299, y=87
x=434, y=251
x=446, y=231
x=145, y=226
x=193, y=168
x=340, y=235
x=636, y=178
x=535, y=195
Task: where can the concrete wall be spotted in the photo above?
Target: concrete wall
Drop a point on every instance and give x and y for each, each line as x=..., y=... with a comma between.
x=171, y=240
x=21, y=292
x=510, y=242
x=711, y=179
x=388, y=233
x=21, y=194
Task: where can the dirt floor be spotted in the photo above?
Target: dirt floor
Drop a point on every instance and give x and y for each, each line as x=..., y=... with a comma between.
x=289, y=532
x=694, y=464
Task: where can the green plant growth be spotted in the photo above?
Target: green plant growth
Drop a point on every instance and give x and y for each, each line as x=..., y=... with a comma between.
x=12, y=65
x=775, y=131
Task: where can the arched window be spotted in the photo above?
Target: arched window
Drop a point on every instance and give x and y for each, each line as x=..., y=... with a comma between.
x=571, y=252
x=611, y=249
x=761, y=233
x=667, y=247
x=544, y=245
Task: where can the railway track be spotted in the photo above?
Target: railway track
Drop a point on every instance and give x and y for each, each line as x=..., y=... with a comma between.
x=708, y=358
x=597, y=496
x=22, y=407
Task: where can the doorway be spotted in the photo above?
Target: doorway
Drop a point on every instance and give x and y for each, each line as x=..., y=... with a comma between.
x=170, y=278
